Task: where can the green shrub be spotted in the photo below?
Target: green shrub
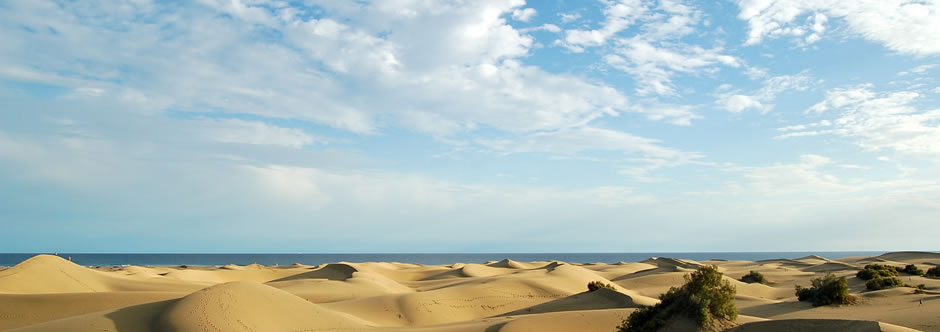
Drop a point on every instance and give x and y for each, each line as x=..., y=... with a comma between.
x=883, y=282
x=595, y=285
x=753, y=277
x=825, y=290
x=913, y=270
x=704, y=297
x=933, y=272
x=872, y=271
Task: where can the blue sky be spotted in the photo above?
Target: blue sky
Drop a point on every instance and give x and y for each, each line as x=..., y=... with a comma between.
x=469, y=126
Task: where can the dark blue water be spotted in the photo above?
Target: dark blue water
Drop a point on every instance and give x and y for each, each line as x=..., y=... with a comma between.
x=427, y=259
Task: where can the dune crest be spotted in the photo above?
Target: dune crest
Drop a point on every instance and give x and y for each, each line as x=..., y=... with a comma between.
x=48, y=293
x=831, y=266
x=51, y=274
x=819, y=325
x=336, y=271
x=249, y=306
x=912, y=257
x=673, y=262
x=602, y=298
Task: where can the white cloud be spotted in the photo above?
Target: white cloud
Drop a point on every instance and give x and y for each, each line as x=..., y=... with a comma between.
x=442, y=70
x=89, y=92
x=818, y=27
x=523, y=14
x=738, y=103
x=762, y=100
x=823, y=123
x=648, y=153
x=919, y=69
x=243, y=11
x=544, y=27
x=433, y=123
x=500, y=96
x=911, y=27
x=879, y=121
x=636, y=157
x=19, y=73
x=842, y=97
x=438, y=69
x=803, y=177
x=756, y=73
x=65, y=160
x=255, y=132
x=568, y=17
x=655, y=54
x=618, y=15
x=814, y=182
x=200, y=192
x=162, y=89
x=681, y=115
x=653, y=67
x=923, y=68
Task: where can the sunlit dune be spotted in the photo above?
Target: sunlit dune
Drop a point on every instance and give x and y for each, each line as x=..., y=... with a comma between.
x=48, y=293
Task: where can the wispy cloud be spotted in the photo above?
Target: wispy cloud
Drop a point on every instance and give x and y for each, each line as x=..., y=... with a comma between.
x=655, y=54
x=736, y=101
x=877, y=121
x=389, y=115
x=904, y=26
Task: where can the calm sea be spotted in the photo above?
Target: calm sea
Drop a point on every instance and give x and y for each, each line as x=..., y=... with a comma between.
x=10, y=259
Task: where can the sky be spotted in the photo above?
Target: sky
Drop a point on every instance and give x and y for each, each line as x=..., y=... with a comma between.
x=469, y=126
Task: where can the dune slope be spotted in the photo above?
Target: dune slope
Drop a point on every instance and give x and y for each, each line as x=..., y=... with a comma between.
x=249, y=306
x=48, y=293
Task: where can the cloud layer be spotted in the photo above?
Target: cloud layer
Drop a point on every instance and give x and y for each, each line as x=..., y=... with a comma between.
x=493, y=120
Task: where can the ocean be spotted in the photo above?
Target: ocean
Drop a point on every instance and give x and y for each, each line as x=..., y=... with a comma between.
x=151, y=259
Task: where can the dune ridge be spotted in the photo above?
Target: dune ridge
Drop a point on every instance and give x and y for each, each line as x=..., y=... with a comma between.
x=48, y=293
x=250, y=306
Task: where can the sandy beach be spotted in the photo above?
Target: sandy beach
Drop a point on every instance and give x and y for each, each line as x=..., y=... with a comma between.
x=49, y=293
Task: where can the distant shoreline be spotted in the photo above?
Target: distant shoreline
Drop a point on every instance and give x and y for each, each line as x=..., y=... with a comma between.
x=268, y=259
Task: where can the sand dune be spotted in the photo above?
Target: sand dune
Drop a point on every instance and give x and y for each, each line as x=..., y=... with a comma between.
x=338, y=271
x=669, y=262
x=48, y=293
x=819, y=325
x=508, y=263
x=359, y=285
x=52, y=274
x=588, y=321
x=787, y=262
x=600, y=299
x=912, y=257
x=18, y=310
x=831, y=267
x=135, y=318
x=249, y=306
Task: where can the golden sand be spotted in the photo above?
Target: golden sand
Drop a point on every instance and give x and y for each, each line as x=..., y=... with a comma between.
x=48, y=293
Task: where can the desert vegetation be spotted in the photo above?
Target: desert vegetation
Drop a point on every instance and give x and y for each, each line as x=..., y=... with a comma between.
x=933, y=272
x=880, y=276
x=754, y=277
x=883, y=282
x=705, y=297
x=913, y=270
x=872, y=271
x=595, y=285
x=826, y=290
